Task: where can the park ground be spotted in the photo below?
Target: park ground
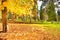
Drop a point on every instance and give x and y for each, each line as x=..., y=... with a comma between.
x=19, y=31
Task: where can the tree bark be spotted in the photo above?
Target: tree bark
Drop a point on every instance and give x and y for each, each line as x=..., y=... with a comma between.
x=4, y=17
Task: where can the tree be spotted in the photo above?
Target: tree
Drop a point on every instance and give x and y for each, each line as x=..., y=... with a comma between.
x=51, y=11
x=20, y=7
x=34, y=10
x=4, y=16
x=44, y=13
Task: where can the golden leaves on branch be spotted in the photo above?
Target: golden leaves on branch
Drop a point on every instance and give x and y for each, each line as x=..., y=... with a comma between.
x=20, y=6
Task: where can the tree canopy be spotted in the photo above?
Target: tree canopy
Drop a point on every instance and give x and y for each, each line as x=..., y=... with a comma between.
x=20, y=6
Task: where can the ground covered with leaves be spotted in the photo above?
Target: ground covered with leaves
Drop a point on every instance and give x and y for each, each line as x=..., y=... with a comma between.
x=31, y=32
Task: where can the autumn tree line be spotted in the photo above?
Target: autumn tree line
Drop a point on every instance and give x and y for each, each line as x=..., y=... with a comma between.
x=26, y=11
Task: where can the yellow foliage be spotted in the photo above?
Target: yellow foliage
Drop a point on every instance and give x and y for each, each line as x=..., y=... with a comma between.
x=0, y=5
x=4, y=4
x=20, y=6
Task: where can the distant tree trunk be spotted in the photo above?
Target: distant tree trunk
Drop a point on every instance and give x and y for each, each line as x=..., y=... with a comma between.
x=30, y=18
x=45, y=14
x=57, y=16
x=34, y=10
x=14, y=17
x=4, y=17
x=23, y=17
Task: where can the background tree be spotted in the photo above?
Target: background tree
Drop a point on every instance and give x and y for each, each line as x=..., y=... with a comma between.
x=34, y=10
x=51, y=11
x=44, y=14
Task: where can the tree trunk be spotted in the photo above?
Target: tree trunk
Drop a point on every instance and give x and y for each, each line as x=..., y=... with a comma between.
x=30, y=18
x=45, y=15
x=4, y=17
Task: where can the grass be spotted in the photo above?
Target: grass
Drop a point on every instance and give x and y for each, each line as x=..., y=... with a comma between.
x=54, y=26
x=48, y=25
x=51, y=28
x=29, y=33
